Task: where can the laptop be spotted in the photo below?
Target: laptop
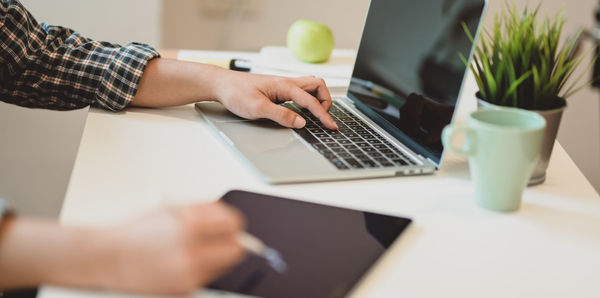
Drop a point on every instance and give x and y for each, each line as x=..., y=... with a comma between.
x=405, y=85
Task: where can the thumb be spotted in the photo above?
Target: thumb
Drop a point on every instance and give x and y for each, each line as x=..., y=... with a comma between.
x=282, y=115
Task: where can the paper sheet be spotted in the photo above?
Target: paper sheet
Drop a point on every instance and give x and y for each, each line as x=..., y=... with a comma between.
x=336, y=72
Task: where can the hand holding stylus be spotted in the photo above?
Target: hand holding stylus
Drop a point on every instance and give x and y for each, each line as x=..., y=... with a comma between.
x=259, y=248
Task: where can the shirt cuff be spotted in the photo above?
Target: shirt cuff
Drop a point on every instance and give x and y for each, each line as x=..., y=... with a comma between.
x=121, y=79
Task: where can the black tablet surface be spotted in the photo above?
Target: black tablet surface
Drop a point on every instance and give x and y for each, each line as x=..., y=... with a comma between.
x=327, y=249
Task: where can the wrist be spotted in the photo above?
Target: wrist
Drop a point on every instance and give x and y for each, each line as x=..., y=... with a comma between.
x=87, y=259
x=6, y=215
x=213, y=81
x=38, y=252
x=21, y=259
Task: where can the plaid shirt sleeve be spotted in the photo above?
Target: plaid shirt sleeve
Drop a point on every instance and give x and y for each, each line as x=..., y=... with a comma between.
x=52, y=67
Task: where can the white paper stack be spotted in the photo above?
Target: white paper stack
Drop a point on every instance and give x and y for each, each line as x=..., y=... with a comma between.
x=336, y=72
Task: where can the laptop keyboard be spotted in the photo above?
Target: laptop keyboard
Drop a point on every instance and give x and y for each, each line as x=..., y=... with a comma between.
x=354, y=146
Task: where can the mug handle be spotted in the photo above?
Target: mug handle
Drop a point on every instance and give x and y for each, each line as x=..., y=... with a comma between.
x=451, y=131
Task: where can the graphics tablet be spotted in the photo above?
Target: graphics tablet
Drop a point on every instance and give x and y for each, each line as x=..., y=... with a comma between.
x=327, y=249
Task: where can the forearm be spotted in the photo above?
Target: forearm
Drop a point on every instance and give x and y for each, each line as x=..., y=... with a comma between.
x=33, y=252
x=167, y=82
x=54, y=67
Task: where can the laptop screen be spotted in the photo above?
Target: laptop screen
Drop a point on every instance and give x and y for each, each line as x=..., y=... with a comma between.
x=408, y=72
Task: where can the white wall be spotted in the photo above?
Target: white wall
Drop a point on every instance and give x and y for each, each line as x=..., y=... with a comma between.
x=251, y=24
x=110, y=20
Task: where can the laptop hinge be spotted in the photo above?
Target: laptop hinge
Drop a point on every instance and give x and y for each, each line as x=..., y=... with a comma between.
x=432, y=162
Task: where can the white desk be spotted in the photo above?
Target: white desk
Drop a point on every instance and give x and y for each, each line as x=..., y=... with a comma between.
x=130, y=162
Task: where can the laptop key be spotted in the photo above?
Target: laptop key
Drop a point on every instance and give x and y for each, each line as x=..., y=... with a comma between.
x=319, y=146
x=376, y=155
x=362, y=156
x=354, y=163
x=325, y=152
x=392, y=155
x=329, y=155
x=400, y=162
x=345, y=155
x=369, y=137
x=381, y=159
x=369, y=149
x=307, y=136
x=339, y=164
x=370, y=164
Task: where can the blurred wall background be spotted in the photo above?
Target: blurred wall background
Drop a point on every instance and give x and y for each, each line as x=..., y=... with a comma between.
x=251, y=24
x=119, y=21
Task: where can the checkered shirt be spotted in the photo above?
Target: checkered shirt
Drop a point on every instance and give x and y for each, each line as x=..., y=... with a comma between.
x=53, y=67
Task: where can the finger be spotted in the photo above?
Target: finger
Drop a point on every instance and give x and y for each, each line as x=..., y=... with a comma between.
x=318, y=87
x=281, y=115
x=327, y=105
x=213, y=220
x=305, y=100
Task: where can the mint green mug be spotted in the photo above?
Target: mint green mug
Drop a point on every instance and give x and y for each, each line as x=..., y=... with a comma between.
x=503, y=146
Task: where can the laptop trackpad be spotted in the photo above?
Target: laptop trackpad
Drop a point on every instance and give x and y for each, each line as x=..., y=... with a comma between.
x=274, y=150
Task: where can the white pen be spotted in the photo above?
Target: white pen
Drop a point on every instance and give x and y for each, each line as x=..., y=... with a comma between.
x=251, y=243
x=259, y=248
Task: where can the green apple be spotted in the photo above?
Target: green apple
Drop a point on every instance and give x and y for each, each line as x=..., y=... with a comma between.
x=310, y=41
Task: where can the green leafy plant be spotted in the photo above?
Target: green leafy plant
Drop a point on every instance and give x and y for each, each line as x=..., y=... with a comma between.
x=520, y=63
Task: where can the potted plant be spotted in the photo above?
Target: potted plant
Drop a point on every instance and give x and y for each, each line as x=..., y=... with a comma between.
x=521, y=64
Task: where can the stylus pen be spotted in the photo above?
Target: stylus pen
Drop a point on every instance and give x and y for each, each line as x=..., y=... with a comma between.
x=259, y=248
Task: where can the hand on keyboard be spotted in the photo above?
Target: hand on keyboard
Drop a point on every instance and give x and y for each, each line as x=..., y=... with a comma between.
x=255, y=96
